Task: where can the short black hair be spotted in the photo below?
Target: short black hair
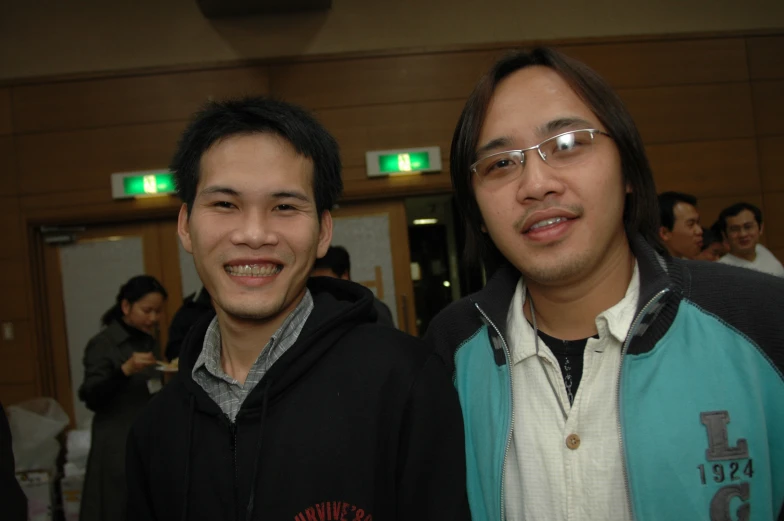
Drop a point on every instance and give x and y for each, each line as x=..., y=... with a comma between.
x=710, y=236
x=337, y=259
x=218, y=120
x=667, y=202
x=734, y=210
x=716, y=230
x=640, y=215
x=135, y=289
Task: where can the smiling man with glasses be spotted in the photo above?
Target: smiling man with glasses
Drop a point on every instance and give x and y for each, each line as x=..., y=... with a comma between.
x=742, y=225
x=599, y=377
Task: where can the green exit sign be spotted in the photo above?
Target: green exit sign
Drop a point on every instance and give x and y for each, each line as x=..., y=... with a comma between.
x=142, y=184
x=403, y=162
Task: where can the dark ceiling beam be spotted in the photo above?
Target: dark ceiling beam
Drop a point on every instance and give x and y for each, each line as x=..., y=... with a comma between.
x=228, y=8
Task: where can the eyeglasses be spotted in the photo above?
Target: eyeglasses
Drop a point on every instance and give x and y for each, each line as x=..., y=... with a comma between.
x=566, y=149
x=747, y=227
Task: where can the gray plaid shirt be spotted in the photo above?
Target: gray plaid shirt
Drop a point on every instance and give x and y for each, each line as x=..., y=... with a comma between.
x=227, y=392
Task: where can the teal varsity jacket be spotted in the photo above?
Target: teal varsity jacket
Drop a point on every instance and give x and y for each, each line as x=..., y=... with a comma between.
x=701, y=391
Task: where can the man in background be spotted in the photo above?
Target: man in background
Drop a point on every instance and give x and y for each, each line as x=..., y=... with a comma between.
x=713, y=244
x=741, y=223
x=680, y=229
x=337, y=264
x=193, y=308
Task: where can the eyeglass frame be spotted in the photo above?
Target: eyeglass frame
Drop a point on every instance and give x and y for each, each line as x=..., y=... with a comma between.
x=745, y=227
x=542, y=155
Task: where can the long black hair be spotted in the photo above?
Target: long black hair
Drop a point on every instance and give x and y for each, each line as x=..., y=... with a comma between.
x=641, y=214
x=135, y=289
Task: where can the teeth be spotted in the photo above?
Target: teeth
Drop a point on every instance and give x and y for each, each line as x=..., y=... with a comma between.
x=254, y=270
x=548, y=222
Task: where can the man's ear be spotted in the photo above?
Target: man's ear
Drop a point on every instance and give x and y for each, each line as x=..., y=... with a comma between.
x=762, y=228
x=325, y=234
x=184, y=228
x=664, y=233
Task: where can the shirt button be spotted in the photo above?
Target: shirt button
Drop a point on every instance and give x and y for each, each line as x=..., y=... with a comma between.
x=573, y=442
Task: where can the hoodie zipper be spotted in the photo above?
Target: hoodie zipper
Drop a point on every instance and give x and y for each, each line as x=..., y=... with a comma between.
x=233, y=430
x=511, y=407
x=632, y=330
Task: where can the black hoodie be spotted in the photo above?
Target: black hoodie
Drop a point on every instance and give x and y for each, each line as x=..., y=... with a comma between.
x=356, y=421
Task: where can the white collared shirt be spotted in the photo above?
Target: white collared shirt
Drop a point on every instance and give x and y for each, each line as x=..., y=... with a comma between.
x=765, y=262
x=544, y=479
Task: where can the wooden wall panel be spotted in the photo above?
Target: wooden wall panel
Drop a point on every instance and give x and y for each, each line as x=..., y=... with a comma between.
x=773, y=219
x=771, y=158
x=665, y=62
x=706, y=169
x=85, y=159
x=11, y=394
x=380, y=127
x=710, y=207
x=14, y=287
x=5, y=112
x=395, y=79
x=768, y=98
x=766, y=57
x=10, y=227
x=691, y=113
x=356, y=185
x=128, y=100
x=17, y=363
x=8, y=181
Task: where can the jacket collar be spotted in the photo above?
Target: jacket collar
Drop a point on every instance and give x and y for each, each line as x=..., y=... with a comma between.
x=657, y=273
x=116, y=332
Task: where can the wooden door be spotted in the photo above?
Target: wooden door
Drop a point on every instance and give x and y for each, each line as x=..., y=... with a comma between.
x=82, y=279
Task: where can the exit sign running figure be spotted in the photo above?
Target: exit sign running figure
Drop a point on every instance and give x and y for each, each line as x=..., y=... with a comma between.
x=403, y=162
x=142, y=184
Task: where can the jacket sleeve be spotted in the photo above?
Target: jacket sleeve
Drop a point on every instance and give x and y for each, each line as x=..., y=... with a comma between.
x=103, y=380
x=432, y=470
x=13, y=501
x=139, y=501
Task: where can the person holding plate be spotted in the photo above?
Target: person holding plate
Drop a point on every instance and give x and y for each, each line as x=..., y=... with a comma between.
x=119, y=379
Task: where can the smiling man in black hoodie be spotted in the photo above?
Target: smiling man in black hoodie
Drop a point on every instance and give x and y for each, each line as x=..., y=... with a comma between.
x=290, y=403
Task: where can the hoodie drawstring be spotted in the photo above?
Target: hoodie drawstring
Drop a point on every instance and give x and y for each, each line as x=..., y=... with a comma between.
x=189, y=441
x=254, y=485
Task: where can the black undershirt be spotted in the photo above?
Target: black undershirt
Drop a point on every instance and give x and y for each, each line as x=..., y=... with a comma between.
x=569, y=354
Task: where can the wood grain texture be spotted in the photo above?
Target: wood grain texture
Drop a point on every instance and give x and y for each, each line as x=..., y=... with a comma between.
x=11, y=228
x=766, y=57
x=665, y=62
x=6, y=126
x=9, y=184
x=17, y=363
x=14, y=287
x=382, y=127
x=369, y=81
x=128, y=100
x=691, y=112
x=11, y=393
x=771, y=161
x=706, y=169
x=773, y=219
x=85, y=159
x=768, y=99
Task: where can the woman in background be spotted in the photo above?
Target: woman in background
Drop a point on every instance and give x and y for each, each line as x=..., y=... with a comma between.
x=119, y=379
